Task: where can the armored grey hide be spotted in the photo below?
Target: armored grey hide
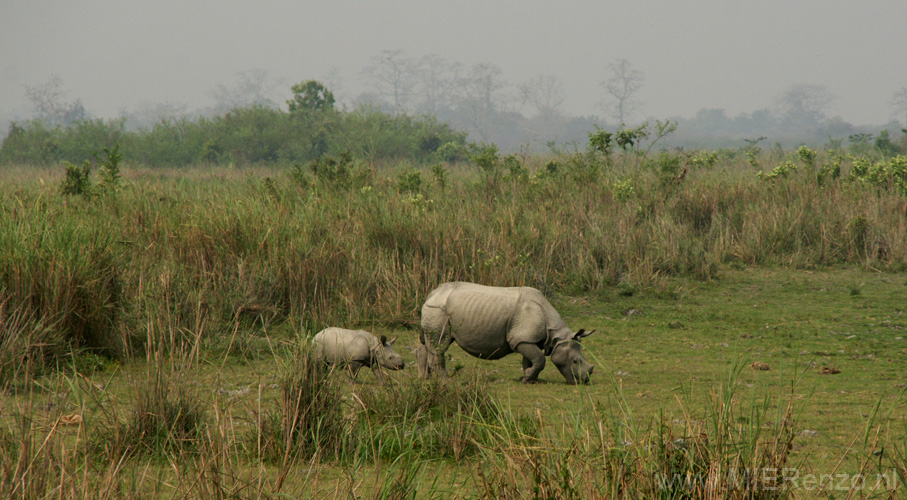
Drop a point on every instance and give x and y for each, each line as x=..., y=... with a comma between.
x=492, y=322
x=355, y=349
x=423, y=360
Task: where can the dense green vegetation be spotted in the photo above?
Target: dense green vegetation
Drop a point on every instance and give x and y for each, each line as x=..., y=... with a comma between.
x=244, y=136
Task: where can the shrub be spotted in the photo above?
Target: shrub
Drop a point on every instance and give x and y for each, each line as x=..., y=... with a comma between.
x=334, y=172
x=439, y=174
x=310, y=96
x=890, y=174
x=807, y=157
x=832, y=170
x=515, y=169
x=450, y=152
x=429, y=144
x=782, y=170
x=409, y=181
x=76, y=180
x=667, y=165
x=623, y=189
x=110, y=169
x=485, y=156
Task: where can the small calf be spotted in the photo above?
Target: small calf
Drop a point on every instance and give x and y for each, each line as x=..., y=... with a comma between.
x=355, y=349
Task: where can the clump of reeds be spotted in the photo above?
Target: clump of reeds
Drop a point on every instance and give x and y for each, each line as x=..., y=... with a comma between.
x=26, y=343
x=167, y=417
x=310, y=420
x=432, y=419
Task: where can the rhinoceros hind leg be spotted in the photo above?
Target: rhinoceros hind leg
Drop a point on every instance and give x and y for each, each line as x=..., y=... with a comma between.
x=379, y=373
x=423, y=361
x=533, y=362
x=436, y=339
x=437, y=363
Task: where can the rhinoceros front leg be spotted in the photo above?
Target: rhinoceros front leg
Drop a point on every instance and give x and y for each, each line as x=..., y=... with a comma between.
x=533, y=362
x=376, y=369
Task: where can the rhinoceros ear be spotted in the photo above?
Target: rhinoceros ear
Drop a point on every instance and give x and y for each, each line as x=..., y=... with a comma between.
x=390, y=342
x=582, y=333
x=383, y=340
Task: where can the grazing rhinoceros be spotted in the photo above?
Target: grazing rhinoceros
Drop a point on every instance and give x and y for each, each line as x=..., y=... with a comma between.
x=355, y=349
x=492, y=322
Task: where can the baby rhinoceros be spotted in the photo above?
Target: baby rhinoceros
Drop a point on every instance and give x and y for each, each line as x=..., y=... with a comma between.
x=491, y=322
x=355, y=349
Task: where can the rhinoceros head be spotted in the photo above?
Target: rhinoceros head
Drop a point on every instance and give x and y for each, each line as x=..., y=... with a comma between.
x=387, y=357
x=567, y=356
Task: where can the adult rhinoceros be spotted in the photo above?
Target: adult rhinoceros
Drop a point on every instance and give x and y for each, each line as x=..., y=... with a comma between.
x=492, y=322
x=355, y=349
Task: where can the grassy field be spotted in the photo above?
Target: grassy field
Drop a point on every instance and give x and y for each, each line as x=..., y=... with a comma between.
x=154, y=329
x=665, y=365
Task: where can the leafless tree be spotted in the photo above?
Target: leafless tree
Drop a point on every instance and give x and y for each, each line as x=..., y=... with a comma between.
x=147, y=114
x=252, y=87
x=899, y=104
x=49, y=105
x=392, y=76
x=334, y=82
x=545, y=93
x=622, y=86
x=803, y=105
x=483, y=97
x=438, y=80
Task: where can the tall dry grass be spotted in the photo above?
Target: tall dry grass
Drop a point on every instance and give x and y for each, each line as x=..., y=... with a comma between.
x=206, y=249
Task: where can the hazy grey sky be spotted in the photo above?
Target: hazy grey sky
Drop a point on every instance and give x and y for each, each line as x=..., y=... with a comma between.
x=695, y=54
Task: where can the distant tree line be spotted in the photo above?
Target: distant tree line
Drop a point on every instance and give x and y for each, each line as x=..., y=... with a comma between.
x=412, y=105
x=249, y=134
x=478, y=99
x=529, y=115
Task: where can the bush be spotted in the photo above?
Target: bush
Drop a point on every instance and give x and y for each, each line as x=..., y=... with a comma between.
x=76, y=180
x=341, y=173
x=889, y=174
x=439, y=174
x=515, y=169
x=409, y=181
x=110, y=169
x=450, y=152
